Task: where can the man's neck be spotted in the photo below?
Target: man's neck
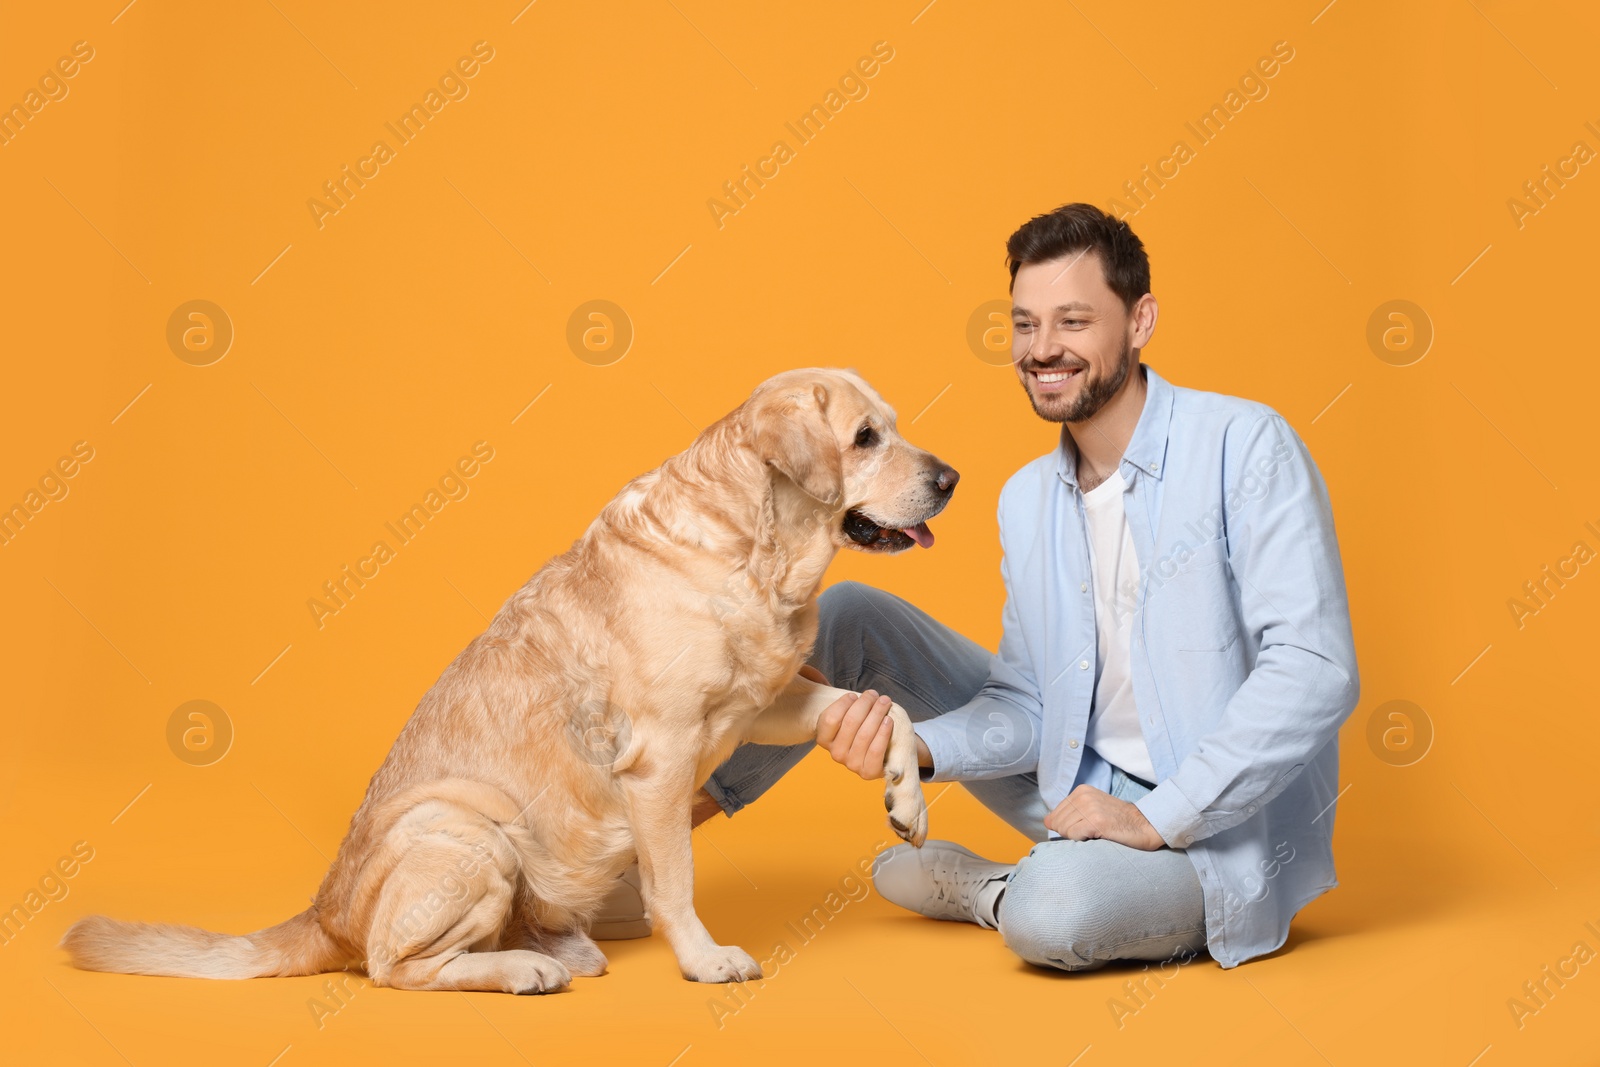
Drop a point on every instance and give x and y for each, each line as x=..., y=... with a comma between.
x=1101, y=439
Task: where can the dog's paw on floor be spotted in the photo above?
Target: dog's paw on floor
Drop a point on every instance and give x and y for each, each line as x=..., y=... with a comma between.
x=579, y=954
x=534, y=972
x=725, y=963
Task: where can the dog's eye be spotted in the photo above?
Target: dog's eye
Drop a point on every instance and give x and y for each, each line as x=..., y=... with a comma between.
x=866, y=436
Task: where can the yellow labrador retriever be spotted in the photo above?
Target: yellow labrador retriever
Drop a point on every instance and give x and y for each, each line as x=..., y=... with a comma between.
x=574, y=732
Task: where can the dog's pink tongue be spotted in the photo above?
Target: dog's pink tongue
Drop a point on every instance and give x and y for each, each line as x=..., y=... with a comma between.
x=920, y=534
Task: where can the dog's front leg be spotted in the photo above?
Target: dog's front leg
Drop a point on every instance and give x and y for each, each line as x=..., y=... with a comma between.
x=792, y=718
x=659, y=813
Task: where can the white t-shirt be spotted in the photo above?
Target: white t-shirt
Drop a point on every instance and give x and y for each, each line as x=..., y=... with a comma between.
x=1114, y=720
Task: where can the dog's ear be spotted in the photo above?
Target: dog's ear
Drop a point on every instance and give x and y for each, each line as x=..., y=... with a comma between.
x=792, y=435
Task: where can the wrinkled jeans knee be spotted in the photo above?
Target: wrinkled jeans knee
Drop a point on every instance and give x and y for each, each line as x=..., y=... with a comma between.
x=1076, y=905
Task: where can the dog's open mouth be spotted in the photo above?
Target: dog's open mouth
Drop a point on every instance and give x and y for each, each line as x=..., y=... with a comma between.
x=868, y=534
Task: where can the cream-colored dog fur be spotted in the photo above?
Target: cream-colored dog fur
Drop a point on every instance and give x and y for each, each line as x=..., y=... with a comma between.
x=670, y=631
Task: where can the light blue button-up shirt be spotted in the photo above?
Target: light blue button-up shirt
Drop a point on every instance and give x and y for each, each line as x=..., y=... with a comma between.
x=1243, y=662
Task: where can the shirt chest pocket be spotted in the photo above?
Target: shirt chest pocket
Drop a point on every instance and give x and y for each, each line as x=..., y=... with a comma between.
x=1201, y=600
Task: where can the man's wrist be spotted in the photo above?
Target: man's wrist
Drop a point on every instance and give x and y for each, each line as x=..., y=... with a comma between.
x=1176, y=820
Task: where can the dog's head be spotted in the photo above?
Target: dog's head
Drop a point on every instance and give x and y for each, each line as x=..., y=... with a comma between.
x=829, y=433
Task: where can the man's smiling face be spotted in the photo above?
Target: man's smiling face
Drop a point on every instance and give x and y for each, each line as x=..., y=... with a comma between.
x=1072, y=337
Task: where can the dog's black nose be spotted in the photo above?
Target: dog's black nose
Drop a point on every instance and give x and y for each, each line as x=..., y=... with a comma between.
x=947, y=479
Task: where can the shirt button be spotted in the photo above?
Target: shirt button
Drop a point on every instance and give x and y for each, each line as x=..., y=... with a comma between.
x=1083, y=587
x=1083, y=664
x=1073, y=743
x=1155, y=466
x=1187, y=839
x=1249, y=809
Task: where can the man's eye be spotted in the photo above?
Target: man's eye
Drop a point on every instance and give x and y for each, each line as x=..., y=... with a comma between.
x=865, y=437
x=1072, y=322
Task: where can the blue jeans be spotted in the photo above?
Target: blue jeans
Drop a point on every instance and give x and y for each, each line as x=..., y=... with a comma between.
x=1073, y=905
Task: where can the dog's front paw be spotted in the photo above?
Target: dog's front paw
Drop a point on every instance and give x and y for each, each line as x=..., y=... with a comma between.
x=724, y=963
x=902, y=793
x=908, y=812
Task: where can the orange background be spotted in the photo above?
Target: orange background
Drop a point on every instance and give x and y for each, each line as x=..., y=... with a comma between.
x=426, y=314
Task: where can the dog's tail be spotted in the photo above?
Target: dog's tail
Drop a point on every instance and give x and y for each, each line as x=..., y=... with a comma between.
x=296, y=946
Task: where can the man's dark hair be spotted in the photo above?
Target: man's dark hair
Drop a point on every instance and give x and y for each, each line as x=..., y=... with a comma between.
x=1074, y=227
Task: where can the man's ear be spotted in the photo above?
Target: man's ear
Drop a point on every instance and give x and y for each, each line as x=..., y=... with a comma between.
x=793, y=437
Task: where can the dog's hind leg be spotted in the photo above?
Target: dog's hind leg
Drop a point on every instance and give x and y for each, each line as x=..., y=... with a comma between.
x=438, y=919
x=511, y=971
x=576, y=950
x=573, y=947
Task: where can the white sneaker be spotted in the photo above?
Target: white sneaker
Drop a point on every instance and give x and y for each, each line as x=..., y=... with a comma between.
x=622, y=915
x=941, y=880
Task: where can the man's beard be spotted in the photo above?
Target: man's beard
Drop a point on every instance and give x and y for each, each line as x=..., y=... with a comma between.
x=1093, y=394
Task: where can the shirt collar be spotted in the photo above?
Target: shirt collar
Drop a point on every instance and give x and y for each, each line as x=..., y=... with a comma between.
x=1147, y=449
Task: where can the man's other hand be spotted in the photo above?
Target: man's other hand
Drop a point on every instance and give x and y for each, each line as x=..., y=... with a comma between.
x=1088, y=813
